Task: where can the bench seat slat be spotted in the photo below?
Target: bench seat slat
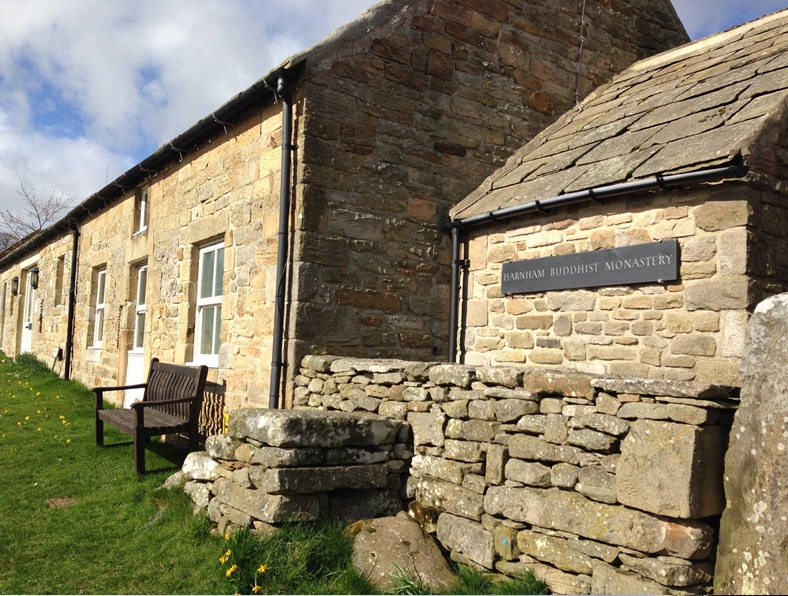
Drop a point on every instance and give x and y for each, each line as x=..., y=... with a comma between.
x=156, y=423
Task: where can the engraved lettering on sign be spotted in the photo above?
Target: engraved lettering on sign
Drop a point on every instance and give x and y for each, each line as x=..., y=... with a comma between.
x=642, y=263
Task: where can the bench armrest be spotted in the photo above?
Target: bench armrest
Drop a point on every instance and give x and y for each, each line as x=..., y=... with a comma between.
x=99, y=391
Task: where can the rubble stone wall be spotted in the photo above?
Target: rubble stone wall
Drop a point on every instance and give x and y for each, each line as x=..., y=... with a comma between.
x=272, y=467
x=596, y=484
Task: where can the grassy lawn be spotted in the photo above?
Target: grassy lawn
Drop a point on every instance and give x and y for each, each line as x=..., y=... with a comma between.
x=76, y=519
x=120, y=535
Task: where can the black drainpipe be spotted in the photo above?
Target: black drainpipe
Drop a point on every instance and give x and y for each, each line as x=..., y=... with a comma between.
x=734, y=170
x=72, y=303
x=283, y=91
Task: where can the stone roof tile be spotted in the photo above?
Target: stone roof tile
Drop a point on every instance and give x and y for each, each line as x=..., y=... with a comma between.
x=697, y=106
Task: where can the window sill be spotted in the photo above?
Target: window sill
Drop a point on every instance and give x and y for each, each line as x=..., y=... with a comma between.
x=208, y=363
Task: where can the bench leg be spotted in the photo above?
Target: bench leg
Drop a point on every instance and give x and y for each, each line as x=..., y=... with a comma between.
x=99, y=431
x=139, y=453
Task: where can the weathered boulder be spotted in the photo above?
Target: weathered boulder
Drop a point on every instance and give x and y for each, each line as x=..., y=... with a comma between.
x=198, y=465
x=298, y=428
x=644, y=386
x=301, y=481
x=752, y=554
x=553, y=550
x=468, y=537
x=554, y=382
x=672, y=469
x=221, y=446
x=571, y=512
x=447, y=496
x=268, y=508
x=387, y=547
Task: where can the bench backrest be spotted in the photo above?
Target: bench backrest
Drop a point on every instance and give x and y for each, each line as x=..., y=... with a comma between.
x=172, y=381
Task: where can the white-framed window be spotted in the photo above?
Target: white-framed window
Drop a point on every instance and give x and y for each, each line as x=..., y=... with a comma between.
x=140, y=309
x=209, y=304
x=141, y=211
x=101, y=307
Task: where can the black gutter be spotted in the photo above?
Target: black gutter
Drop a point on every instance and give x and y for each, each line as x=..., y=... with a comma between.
x=733, y=170
x=72, y=303
x=283, y=91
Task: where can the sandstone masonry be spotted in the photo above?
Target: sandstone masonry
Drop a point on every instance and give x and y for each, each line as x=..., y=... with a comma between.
x=273, y=467
x=597, y=484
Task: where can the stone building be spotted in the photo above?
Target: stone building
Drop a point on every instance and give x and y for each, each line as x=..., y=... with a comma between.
x=685, y=150
x=395, y=116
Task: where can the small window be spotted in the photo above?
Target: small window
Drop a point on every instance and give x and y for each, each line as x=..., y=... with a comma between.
x=209, y=304
x=140, y=309
x=101, y=307
x=141, y=211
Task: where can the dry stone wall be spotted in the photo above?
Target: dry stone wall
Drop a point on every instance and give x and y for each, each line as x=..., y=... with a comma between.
x=596, y=484
x=272, y=467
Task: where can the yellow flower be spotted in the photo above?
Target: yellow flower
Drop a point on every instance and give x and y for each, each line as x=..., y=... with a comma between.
x=226, y=536
x=262, y=568
x=256, y=589
x=39, y=429
x=231, y=570
x=27, y=417
x=68, y=440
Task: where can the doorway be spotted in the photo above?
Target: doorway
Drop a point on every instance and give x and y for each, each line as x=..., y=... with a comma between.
x=135, y=363
x=28, y=315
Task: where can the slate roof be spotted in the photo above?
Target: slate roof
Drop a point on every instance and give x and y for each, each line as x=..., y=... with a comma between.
x=697, y=106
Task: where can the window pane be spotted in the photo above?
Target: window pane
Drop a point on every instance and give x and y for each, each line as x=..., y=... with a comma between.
x=206, y=333
x=217, y=330
x=219, y=271
x=102, y=276
x=99, y=325
x=142, y=282
x=206, y=269
x=139, y=331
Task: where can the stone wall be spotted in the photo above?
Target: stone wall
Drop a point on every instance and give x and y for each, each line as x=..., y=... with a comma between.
x=227, y=191
x=404, y=120
x=278, y=466
x=753, y=553
x=50, y=317
x=596, y=484
x=689, y=329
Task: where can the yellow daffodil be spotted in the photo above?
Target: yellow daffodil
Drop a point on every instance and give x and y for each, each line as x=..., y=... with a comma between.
x=256, y=589
x=262, y=568
x=68, y=440
x=231, y=570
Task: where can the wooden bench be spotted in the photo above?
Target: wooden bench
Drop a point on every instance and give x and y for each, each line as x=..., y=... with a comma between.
x=170, y=404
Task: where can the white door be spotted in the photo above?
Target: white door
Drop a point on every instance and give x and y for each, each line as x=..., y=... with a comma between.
x=135, y=364
x=28, y=317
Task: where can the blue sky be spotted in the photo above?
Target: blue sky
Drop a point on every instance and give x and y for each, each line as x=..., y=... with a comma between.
x=88, y=88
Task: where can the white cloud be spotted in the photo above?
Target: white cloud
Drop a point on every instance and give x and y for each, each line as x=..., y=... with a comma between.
x=120, y=78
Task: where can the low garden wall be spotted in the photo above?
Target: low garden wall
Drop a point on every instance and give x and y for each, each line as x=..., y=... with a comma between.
x=596, y=485
x=272, y=467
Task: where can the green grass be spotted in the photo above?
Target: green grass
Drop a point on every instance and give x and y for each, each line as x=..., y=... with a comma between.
x=122, y=534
